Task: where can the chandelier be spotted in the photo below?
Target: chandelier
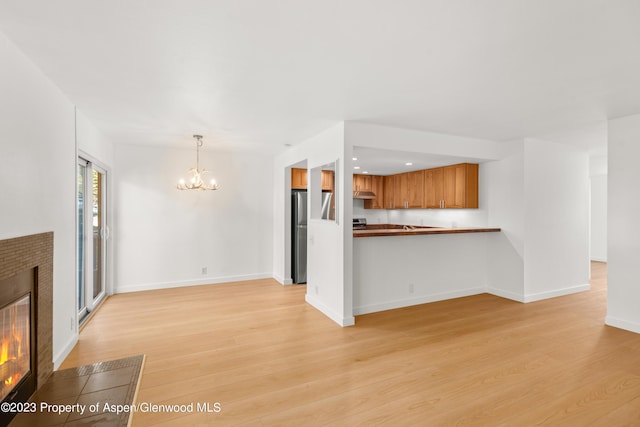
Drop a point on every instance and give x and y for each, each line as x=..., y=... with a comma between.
x=196, y=182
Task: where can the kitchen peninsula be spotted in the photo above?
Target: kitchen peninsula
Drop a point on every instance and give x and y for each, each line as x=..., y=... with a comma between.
x=380, y=230
x=397, y=266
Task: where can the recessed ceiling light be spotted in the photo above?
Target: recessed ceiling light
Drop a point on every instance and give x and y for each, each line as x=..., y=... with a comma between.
x=408, y=164
x=354, y=159
x=356, y=167
x=365, y=172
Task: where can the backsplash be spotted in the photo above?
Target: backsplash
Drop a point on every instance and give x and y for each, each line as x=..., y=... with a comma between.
x=432, y=217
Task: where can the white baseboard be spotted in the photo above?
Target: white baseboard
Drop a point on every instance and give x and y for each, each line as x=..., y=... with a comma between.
x=194, y=282
x=320, y=306
x=282, y=280
x=598, y=259
x=374, y=308
x=66, y=349
x=506, y=294
x=622, y=324
x=556, y=293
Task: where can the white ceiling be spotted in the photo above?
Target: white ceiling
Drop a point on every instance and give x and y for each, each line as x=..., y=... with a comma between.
x=259, y=74
x=388, y=162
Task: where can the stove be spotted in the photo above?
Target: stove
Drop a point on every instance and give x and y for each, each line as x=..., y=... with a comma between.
x=359, y=223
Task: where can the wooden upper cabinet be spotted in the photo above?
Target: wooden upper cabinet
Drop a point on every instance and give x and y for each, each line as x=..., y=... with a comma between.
x=328, y=178
x=298, y=179
x=433, y=188
x=447, y=187
x=415, y=192
x=389, y=191
x=408, y=190
x=399, y=188
x=460, y=186
x=377, y=186
x=362, y=182
x=415, y=197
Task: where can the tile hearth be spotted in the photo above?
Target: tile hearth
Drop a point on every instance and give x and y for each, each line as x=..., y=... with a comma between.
x=80, y=395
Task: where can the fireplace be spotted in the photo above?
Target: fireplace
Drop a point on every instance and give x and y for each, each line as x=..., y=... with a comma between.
x=18, y=364
x=26, y=317
x=15, y=345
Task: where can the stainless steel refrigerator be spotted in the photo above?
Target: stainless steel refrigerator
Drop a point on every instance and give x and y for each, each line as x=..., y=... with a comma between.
x=299, y=231
x=299, y=237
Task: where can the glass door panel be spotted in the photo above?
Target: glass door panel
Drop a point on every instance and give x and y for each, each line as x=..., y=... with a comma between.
x=92, y=236
x=82, y=169
x=98, y=232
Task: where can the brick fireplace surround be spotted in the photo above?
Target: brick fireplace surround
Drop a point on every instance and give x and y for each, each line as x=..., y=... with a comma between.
x=24, y=253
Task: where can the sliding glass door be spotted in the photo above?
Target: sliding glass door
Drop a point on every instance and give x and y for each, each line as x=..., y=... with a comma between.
x=92, y=236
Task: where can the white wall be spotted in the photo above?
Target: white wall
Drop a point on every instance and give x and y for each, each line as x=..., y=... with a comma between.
x=556, y=219
x=329, y=279
x=37, y=177
x=165, y=237
x=598, y=235
x=505, y=200
x=373, y=216
x=539, y=196
x=623, y=298
x=92, y=142
x=94, y=146
x=399, y=271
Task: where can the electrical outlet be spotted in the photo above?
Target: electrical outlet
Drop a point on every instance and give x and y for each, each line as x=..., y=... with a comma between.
x=315, y=288
x=71, y=323
x=410, y=288
x=204, y=270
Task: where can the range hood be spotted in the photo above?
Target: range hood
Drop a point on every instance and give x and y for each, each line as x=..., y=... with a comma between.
x=364, y=195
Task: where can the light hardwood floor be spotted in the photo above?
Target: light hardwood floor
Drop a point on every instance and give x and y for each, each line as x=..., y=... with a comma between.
x=270, y=359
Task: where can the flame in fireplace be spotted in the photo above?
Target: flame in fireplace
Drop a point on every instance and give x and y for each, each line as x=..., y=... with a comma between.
x=15, y=342
x=4, y=354
x=14, y=356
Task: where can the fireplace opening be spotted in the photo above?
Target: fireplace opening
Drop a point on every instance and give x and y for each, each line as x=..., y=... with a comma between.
x=17, y=339
x=15, y=349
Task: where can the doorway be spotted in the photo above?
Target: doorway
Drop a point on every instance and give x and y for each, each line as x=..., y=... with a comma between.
x=92, y=235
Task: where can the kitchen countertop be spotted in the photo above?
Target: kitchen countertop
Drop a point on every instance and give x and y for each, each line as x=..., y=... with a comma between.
x=378, y=230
